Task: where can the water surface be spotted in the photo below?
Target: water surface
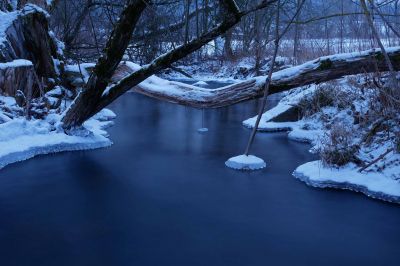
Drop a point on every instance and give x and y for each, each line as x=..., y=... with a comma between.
x=161, y=195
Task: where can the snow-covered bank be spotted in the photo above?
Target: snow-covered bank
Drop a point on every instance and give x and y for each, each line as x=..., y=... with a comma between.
x=349, y=135
x=22, y=139
x=229, y=70
x=290, y=99
x=372, y=184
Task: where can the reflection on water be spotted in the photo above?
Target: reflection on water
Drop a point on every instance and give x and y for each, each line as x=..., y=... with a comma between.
x=161, y=195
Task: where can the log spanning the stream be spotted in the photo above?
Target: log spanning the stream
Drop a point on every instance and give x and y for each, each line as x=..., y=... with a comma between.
x=313, y=72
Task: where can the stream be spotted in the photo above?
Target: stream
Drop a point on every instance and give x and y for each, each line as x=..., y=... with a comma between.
x=161, y=195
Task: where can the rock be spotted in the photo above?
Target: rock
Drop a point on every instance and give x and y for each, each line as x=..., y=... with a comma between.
x=20, y=98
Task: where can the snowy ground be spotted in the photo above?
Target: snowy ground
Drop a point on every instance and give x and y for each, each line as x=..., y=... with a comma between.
x=381, y=180
x=376, y=185
x=224, y=71
x=21, y=139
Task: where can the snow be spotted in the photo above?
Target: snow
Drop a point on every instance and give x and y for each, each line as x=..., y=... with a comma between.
x=202, y=130
x=376, y=185
x=200, y=83
x=31, y=8
x=81, y=68
x=16, y=63
x=245, y=162
x=60, y=45
x=21, y=139
x=381, y=181
x=291, y=99
x=6, y=19
x=171, y=88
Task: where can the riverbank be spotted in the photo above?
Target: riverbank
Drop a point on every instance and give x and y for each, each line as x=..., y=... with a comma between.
x=162, y=188
x=355, y=156
x=22, y=138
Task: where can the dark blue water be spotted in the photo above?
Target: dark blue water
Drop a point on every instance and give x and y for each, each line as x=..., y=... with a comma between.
x=162, y=196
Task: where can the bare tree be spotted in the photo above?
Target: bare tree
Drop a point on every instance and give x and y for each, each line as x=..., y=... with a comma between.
x=378, y=40
x=93, y=98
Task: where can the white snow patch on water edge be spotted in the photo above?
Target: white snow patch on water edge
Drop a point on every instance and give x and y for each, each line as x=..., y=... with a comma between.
x=373, y=184
x=292, y=98
x=381, y=181
x=21, y=139
x=245, y=162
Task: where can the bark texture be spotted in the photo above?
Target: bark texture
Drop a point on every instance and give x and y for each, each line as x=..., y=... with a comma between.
x=313, y=72
x=85, y=105
x=5, y=6
x=15, y=76
x=27, y=37
x=92, y=99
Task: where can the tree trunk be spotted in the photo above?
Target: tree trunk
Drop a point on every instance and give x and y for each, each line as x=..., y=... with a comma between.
x=228, y=51
x=27, y=37
x=18, y=75
x=118, y=42
x=187, y=20
x=92, y=100
x=312, y=72
x=378, y=40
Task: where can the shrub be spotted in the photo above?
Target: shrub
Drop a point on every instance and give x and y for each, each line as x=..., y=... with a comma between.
x=337, y=148
x=328, y=94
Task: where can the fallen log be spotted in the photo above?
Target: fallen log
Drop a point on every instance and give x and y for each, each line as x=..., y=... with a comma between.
x=313, y=72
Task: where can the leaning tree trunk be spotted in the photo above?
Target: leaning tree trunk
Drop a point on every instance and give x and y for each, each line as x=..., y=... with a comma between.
x=118, y=42
x=94, y=98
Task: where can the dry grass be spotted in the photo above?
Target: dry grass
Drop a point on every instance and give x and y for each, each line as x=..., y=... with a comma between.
x=327, y=94
x=338, y=148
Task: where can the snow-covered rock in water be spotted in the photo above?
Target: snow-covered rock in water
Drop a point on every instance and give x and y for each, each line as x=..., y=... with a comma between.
x=202, y=130
x=373, y=184
x=246, y=162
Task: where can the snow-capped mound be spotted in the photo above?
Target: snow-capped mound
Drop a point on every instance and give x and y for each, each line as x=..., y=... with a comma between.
x=246, y=162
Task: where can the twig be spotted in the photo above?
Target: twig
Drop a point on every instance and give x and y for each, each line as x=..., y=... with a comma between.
x=377, y=159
